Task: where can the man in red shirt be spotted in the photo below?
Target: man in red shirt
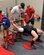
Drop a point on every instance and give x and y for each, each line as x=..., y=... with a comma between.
x=30, y=12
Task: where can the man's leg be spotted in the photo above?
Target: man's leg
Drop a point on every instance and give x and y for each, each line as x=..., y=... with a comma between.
x=32, y=22
x=40, y=32
x=35, y=36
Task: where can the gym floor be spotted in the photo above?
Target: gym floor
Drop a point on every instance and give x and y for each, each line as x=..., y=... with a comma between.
x=20, y=50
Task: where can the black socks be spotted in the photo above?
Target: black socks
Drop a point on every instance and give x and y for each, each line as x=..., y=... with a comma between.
x=38, y=38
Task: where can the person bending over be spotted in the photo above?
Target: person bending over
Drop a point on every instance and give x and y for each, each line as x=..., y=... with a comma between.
x=15, y=11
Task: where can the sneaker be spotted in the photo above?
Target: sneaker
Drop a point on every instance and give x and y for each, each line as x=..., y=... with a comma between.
x=39, y=41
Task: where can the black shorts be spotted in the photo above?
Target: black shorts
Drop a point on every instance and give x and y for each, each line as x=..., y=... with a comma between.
x=32, y=21
x=28, y=29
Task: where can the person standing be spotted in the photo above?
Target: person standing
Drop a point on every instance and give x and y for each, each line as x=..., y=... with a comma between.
x=30, y=12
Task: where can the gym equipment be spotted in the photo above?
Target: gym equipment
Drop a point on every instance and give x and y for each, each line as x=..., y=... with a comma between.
x=16, y=34
x=9, y=39
x=5, y=22
x=5, y=52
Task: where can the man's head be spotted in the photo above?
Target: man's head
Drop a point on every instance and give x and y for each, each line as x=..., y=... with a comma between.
x=28, y=6
x=22, y=5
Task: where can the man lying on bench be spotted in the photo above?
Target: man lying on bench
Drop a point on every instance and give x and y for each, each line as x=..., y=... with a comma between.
x=36, y=33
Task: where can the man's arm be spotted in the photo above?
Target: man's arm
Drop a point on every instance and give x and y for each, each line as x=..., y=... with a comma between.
x=33, y=12
x=32, y=16
x=14, y=24
x=19, y=28
x=12, y=13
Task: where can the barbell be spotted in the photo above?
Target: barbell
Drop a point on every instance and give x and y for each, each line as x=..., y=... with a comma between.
x=6, y=22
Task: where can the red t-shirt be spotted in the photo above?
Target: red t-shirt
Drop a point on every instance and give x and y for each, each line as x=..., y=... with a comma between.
x=30, y=11
x=1, y=17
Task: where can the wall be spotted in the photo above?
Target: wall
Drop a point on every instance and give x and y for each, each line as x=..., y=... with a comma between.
x=38, y=4
x=6, y=3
